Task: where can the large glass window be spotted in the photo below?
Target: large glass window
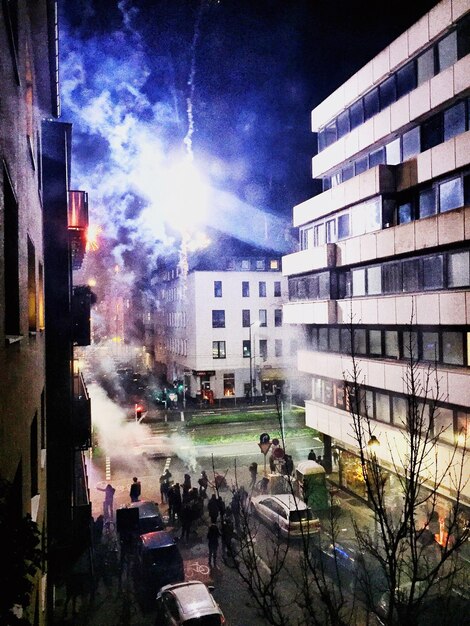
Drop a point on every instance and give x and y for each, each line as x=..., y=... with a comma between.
x=400, y=411
x=218, y=319
x=411, y=143
x=463, y=37
x=411, y=275
x=391, y=278
x=324, y=286
x=406, y=79
x=427, y=202
x=391, y=344
x=360, y=346
x=458, y=269
x=431, y=346
x=450, y=195
x=375, y=342
x=323, y=339
x=447, y=51
x=359, y=282
x=410, y=345
x=382, y=407
x=218, y=349
x=371, y=104
x=454, y=120
x=346, y=340
x=374, y=280
x=452, y=348
x=342, y=123
x=388, y=92
x=405, y=212
x=433, y=272
x=425, y=64
x=334, y=339
x=356, y=114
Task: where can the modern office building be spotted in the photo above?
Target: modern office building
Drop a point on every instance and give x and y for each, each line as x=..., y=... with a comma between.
x=385, y=246
x=219, y=326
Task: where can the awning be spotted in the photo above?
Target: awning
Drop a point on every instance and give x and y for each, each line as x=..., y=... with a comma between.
x=272, y=373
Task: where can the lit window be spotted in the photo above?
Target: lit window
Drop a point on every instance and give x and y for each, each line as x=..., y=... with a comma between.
x=274, y=264
x=218, y=349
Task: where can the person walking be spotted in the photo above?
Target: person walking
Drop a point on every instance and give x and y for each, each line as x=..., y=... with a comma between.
x=135, y=490
x=311, y=455
x=108, y=503
x=203, y=484
x=213, y=508
x=213, y=536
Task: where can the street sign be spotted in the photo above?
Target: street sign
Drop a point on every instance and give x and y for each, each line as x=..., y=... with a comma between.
x=264, y=447
x=264, y=438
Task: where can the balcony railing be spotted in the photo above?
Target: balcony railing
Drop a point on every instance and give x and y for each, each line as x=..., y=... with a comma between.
x=81, y=307
x=81, y=414
x=78, y=224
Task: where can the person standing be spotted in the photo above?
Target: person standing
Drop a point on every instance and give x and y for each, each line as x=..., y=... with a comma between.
x=203, y=484
x=108, y=508
x=213, y=536
x=213, y=508
x=135, y=490
x=165, y=481
x=177, y=501
x=186, y=486
x=311, y=455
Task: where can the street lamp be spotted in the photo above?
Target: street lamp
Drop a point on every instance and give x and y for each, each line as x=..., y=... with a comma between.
x=257, y=323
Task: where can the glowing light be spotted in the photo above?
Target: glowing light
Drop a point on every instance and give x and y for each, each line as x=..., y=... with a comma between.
x=92, y=282
x=198, y=241
x=92, y=234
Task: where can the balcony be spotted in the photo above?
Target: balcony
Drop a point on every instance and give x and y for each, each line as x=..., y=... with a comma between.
x=309, y=260
x=81, y=414
x=77, y=224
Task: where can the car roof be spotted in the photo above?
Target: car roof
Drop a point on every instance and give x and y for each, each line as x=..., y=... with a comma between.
x=285, y=499
x=157, y=539
x=193, y=597
x=147, y=508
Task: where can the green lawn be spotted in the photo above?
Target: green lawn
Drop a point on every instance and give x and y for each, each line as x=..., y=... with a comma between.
x=246, y=416
x=291, y=433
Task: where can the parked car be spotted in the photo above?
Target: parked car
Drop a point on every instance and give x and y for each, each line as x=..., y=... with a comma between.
x=159, y=562
x=150, y=518
x=285, y=513
x=189, y=604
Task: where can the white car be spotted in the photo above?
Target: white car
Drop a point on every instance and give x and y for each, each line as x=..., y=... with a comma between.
x=285, y=513
x=188, y=603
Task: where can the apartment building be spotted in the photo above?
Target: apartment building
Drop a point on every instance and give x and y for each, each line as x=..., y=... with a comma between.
x=384, y=248
x=220, y=329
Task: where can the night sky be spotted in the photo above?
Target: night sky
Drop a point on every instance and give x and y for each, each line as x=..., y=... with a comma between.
x=230, y=83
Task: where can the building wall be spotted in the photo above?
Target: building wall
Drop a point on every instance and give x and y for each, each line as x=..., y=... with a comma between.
x=371, y=220
x=27, y=94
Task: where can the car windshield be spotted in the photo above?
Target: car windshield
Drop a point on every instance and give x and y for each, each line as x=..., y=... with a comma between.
x=301, y=516
x=205, y=620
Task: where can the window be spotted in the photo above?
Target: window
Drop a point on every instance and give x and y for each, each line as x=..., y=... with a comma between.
x=458, y=269
x=263, y=348
x=217, y=288
x=260, y=264
x=400, y=411
x=371, y=104
x=388, y=92
x=431, y=132
x=410, y=344
x=262, y=289
x=246, y=318
x=319, y=235
x=342, y=123
x=274, y=264
x=405, y=212
x=34, y=455
x=411, y=275
x=11, y=260
x=323, y=339
x=41, y=312
x=433, y=272
x=277, y=288
x=246, y=348
x=427, y=202
x=229, y=384
x=425, y=66
x=377, y=157
x=246, y=264
x=406, y=79
x=360, y=341
x=411, y=143
x=431, y=346
x=277, y=317
x=334, y=339
x=463, y=37
x=447, y=51
x=218, y=319
x=361, y=165
x=218, y=349
x=278, y=347
x=454, y=120
x=356, y=114
x=330, y=134
x=343, y=226
x=348, y=172
x=263, y=317
x=375, y=342
x=32, y=292
x=452, y=348
x=382, y=407
x=245, y=289
x=391, y=344
x=450, y=195
x=331, y=231
x=444, y=424
x=392, y=152
x=359, y=282
x=374, y=280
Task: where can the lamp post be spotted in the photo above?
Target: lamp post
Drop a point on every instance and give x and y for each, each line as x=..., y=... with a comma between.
x=257, y=323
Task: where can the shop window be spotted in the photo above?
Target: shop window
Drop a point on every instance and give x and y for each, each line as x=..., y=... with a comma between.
x=229, y=384
x=262, y=289
x=454, y=121
x=447, y=51
x=458, y=270
x=433, y=272
x=334, y=340
x=391, y=344
x=246, y=348
x=452, y=348
x=218, y=349
x=450, y=195
x=388, y=92
x=432, y=132
x=411, y=275
x=431, y=347
x=278, y=347
x=406, y=79
x=246, y=318
x=245, y=289
x=217, y=288
x=382, y=407
x=371, y=104
x=426, y=66
x=375, y=342
x=218, y=319
x=411, y=143
x=342, y=124
x=263, y=317
x=263, y=349
x=277, y=317
x=356, y=114
x=427, y=202
x=374, y=280
x=277, y=288
x=343, y=226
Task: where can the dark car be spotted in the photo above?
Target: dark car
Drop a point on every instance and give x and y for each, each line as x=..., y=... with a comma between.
x=159, y=562
x=341, y=561
x=150, y=518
